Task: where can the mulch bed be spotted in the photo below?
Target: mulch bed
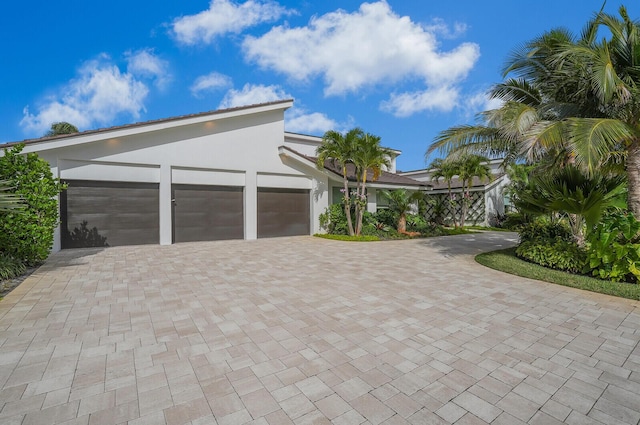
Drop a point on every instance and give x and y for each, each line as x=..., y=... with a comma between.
x=9, y=285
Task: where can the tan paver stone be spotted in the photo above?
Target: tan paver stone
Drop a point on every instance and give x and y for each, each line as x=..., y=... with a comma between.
x=154, y=400
x=372, y=409
x=186, y=412
x=226, y=330
x=96, y=403
x=332, y=406
x=451, y=412
x=260, y=403
x=297, y=406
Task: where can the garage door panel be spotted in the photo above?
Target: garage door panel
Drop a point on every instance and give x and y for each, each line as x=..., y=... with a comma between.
x=109, y=214
x=206, y=213
x=283, y=212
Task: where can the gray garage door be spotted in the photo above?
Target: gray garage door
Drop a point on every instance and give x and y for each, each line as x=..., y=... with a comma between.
x=97, y=213
x=207, y=213
x=283, y=212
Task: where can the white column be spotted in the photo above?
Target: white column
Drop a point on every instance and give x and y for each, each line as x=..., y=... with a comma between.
x=319, y=201
x=372, y=203
x=251, y=205
x=166, y=222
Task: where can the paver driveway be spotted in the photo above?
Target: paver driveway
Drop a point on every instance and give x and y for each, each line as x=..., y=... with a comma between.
x=307, y=330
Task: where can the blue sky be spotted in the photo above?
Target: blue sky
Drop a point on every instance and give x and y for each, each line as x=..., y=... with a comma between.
x=401, y=69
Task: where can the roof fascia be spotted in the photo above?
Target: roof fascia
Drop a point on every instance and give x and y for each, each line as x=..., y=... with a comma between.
x=118, y=132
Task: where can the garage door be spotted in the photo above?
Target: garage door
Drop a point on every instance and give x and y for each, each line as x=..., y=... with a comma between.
x=283, y=212
x=207, y=213
x=109, y=214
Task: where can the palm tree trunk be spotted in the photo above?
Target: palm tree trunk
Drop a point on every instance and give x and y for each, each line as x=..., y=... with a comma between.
x=633, y=177
x=347, y=203
x=361, y=205
x=402, y=223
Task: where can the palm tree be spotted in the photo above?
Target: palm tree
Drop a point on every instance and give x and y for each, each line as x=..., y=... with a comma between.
x=62, y=127
x=577, y=101
x=401, y=202
x=581, y=197
x=340, y=149
x=369, y=157
x=470, y=167
x=447, y=170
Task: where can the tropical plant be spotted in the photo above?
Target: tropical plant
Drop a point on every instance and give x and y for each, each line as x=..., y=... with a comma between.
x=27, y=234
x=555, y=254
x=340, y=149
x=470, y=167
x=334, y=220
x=10, y=267
x=62, y=127
x=370, y=158
x=446, y=169
x=401, y=202
x=614, y=248
x=575, y=100
x=582, y=197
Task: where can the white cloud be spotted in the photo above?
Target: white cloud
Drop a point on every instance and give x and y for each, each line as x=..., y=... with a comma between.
x=442, y=98
x=225, y=16
x=298, y=121
x=146, y=64
x=439, y=26
x=479, y=102
x=210, y=82
x=252, y=94
x=98, y=95
x=371, y=46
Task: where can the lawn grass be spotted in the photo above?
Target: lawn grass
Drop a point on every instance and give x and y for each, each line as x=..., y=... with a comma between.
x=361, y=238
x=491, y=228
x=505, y=260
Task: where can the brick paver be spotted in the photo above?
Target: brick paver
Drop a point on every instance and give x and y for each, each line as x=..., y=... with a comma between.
x=306, y=330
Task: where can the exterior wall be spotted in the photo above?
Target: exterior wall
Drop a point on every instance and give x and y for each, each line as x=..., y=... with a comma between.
x=230, y=151
x=493, y=192
x=494, y=200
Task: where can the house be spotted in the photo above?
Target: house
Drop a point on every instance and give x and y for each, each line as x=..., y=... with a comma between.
x=488, y=200
x=226, y=174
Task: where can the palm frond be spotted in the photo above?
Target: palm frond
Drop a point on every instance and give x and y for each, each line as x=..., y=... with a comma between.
x=593, y=139
x=516, y=90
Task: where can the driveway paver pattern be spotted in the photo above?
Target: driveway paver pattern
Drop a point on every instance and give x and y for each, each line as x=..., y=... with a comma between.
x=310, y=331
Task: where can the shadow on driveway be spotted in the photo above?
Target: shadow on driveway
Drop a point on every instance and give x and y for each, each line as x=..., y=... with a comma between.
x=472, y=243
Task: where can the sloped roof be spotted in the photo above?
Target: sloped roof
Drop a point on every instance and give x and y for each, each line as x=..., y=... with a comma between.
x=456, y=183
x=145, y=123
x=385, y=178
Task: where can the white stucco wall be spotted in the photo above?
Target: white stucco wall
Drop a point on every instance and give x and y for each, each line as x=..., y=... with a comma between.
x=235, y=149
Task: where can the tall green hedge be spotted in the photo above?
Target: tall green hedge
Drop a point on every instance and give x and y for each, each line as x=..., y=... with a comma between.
x=27, y=234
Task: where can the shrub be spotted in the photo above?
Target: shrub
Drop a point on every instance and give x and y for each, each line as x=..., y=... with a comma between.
x=386, y=217
x=27, y=235
x=551, y=245
x=10, y=267
x=545, y=231
x=556, y=254
x=515, y=221
x=347, y=238
x=334, y=220
x=614, y=248
x=415, y=223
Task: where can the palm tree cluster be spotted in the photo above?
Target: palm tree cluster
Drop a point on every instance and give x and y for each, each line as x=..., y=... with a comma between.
x=466, y=167
x=359, y=155
x=566, y=100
